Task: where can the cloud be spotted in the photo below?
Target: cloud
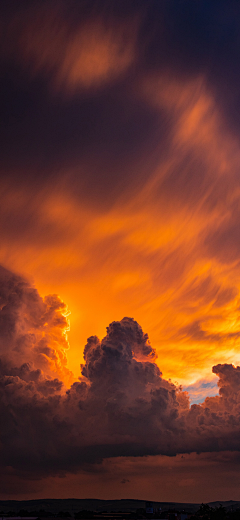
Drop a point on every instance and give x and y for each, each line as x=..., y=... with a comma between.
x=75, y=49
x=33, y=338
x=120, y=191
x=143, y=228
x=121, y=405
x=222, y=243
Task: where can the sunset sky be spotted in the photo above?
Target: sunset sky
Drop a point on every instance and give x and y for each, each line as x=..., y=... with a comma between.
x=120, y=204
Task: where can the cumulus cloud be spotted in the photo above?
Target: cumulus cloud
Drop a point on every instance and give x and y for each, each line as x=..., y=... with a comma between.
x=33, y=336
x=120, y=406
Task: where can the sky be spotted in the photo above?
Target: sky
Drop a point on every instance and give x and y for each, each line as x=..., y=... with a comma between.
x=120, y=250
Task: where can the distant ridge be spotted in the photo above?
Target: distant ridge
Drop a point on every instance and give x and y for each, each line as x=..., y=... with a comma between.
x=73, y=505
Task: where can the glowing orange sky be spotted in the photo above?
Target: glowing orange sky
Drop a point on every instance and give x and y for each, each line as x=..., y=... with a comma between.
x=147, y=256
x=120, y=192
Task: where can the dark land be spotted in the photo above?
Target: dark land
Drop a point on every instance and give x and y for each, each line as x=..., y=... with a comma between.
x=74, y=506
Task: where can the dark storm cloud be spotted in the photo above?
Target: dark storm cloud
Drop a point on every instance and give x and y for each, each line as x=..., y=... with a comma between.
x=195, y=38
x=96, y=143
x=101, y=136
x=121, y=406
x=109, y=135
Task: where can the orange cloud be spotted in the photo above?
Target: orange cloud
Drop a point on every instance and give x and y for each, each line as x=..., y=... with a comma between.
x=75, y=53
x=156, y=252
x=33, y=331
